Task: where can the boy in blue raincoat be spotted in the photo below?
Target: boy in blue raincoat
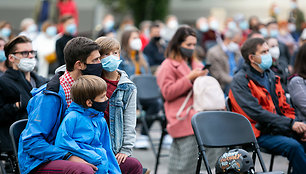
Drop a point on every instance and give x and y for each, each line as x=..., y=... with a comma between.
x=84, y=131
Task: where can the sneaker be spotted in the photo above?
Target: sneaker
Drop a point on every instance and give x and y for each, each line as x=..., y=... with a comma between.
x=167, y=141
x=146, y=171
x=142, y=142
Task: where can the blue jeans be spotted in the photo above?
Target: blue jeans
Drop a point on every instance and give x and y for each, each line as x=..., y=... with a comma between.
x=288, y=147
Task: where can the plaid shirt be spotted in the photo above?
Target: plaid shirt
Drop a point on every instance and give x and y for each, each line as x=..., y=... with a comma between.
x=66, y=81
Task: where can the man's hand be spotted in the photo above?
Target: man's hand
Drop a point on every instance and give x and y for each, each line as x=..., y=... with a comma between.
x=121, y=158
x=299, y=127
x=80, y=160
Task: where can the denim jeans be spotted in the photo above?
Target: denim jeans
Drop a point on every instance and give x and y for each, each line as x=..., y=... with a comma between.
x=288, y=147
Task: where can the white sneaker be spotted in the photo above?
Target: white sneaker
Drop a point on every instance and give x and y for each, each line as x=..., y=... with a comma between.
x=142, y=142
x=167, y=141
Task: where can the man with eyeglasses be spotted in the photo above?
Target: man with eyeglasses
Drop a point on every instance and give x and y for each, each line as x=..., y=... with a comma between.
x=15, y=86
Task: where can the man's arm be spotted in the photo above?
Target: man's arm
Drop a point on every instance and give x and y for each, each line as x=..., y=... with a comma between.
x=241, y=94
x=43, y=120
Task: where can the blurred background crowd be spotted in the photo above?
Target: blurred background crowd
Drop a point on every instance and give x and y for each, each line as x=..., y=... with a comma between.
x=144, y=28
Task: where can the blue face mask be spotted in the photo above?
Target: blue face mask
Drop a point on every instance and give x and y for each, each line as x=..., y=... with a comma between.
x=6, y=32
x=274, y=33
x=2, y=56
x=51, y=31
x=71, y=29
x=93, y=69
x=110, y=63
x=100, y=106
x=244, y=25
x=266, y=61
x=263, y=32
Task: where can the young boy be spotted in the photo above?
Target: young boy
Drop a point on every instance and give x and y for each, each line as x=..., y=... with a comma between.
x=84, y=131
x=120, y=118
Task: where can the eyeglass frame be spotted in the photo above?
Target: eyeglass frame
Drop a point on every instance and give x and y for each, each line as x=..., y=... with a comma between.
x=34, y=53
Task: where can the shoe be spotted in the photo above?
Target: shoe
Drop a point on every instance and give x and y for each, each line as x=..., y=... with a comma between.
x=167, y=141
x=142, y=142
x=146, y=171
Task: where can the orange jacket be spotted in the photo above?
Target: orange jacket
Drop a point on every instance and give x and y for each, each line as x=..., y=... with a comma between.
x=269, y=113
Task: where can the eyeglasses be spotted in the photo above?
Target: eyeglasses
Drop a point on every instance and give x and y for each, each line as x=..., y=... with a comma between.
x=26, y=53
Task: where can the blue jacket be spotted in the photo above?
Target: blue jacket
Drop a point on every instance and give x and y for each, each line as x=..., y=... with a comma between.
x=45, y=111
x=84, y=133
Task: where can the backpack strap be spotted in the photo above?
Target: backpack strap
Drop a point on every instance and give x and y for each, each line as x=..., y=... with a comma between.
x=183, y=106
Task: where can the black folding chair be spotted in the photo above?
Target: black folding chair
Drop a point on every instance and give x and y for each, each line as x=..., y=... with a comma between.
x=15, y=131
x=147, y=89
x=228, y=107
x=223, y=129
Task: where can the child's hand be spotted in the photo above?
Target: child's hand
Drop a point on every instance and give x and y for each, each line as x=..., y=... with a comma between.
x=121, y=158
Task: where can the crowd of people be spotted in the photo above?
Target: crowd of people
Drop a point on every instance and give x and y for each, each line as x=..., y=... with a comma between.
x=81, y=104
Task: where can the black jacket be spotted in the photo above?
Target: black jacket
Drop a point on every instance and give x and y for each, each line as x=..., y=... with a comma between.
x=154, y=53
x=14, y=88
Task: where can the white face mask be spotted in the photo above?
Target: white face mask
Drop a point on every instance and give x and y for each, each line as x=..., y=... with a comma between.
x=26, y=64
x=275, y=52
x=233, y=47
x=136, y=44
x=173, y=24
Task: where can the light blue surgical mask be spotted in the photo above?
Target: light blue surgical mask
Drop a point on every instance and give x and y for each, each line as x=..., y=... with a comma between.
x=6, y=32
x=204, y=27
x=32, y=28
x=273, y=33
x=266, y=61
x=110, y=63
x=71, y=29
x=264, y=32
x=51, y=31
x=2, y=56
x=244, y=25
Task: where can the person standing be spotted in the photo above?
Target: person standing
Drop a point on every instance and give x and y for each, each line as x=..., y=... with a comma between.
x=16, y=84
x=175, y=78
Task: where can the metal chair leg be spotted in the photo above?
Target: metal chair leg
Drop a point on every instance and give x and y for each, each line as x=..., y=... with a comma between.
x=159, y=149
x=271, y=162
x=145, y=126
x=199, y=163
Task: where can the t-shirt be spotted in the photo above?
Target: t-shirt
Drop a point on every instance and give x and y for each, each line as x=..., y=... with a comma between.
x=111, y=86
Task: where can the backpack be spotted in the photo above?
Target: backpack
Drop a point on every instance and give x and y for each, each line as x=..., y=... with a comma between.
x=207, y=96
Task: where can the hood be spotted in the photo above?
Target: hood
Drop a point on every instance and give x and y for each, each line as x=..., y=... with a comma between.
x=124, y=77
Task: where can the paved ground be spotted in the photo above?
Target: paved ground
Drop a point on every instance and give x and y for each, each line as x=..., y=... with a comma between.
x=146, y=157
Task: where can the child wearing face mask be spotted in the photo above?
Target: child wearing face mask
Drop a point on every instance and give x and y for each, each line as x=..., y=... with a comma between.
x=84, y=131
x=121, y=119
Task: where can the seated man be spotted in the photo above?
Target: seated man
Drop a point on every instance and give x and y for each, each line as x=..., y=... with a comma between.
x=257, y=94
x=36, y=152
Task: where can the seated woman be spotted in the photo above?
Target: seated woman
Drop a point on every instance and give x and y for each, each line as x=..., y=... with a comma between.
x=297, y=84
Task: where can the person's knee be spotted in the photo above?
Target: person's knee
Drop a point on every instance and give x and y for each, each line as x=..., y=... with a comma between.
x=80, y=168
x=295, y=146
x=135, y=163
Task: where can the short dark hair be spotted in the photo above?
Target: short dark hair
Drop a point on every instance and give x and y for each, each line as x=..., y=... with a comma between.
x=65, y=18
x=78, y=48
x=87, y=87
x=10, y=47
x=300, y=62
x=250, y=47
x=173, y=48
x=153, y=25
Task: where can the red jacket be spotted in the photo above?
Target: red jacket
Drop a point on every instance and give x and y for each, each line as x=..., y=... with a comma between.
x=268, y=113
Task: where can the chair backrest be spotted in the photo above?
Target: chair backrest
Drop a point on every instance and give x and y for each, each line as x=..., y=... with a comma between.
x=222, y=129
x=147, y=87
x=15, y=131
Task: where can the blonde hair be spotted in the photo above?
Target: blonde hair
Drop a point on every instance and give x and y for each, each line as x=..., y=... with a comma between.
x=87, y=87
x=107, y=44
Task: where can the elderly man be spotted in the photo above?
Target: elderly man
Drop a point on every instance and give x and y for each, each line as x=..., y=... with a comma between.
x=224, y=58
